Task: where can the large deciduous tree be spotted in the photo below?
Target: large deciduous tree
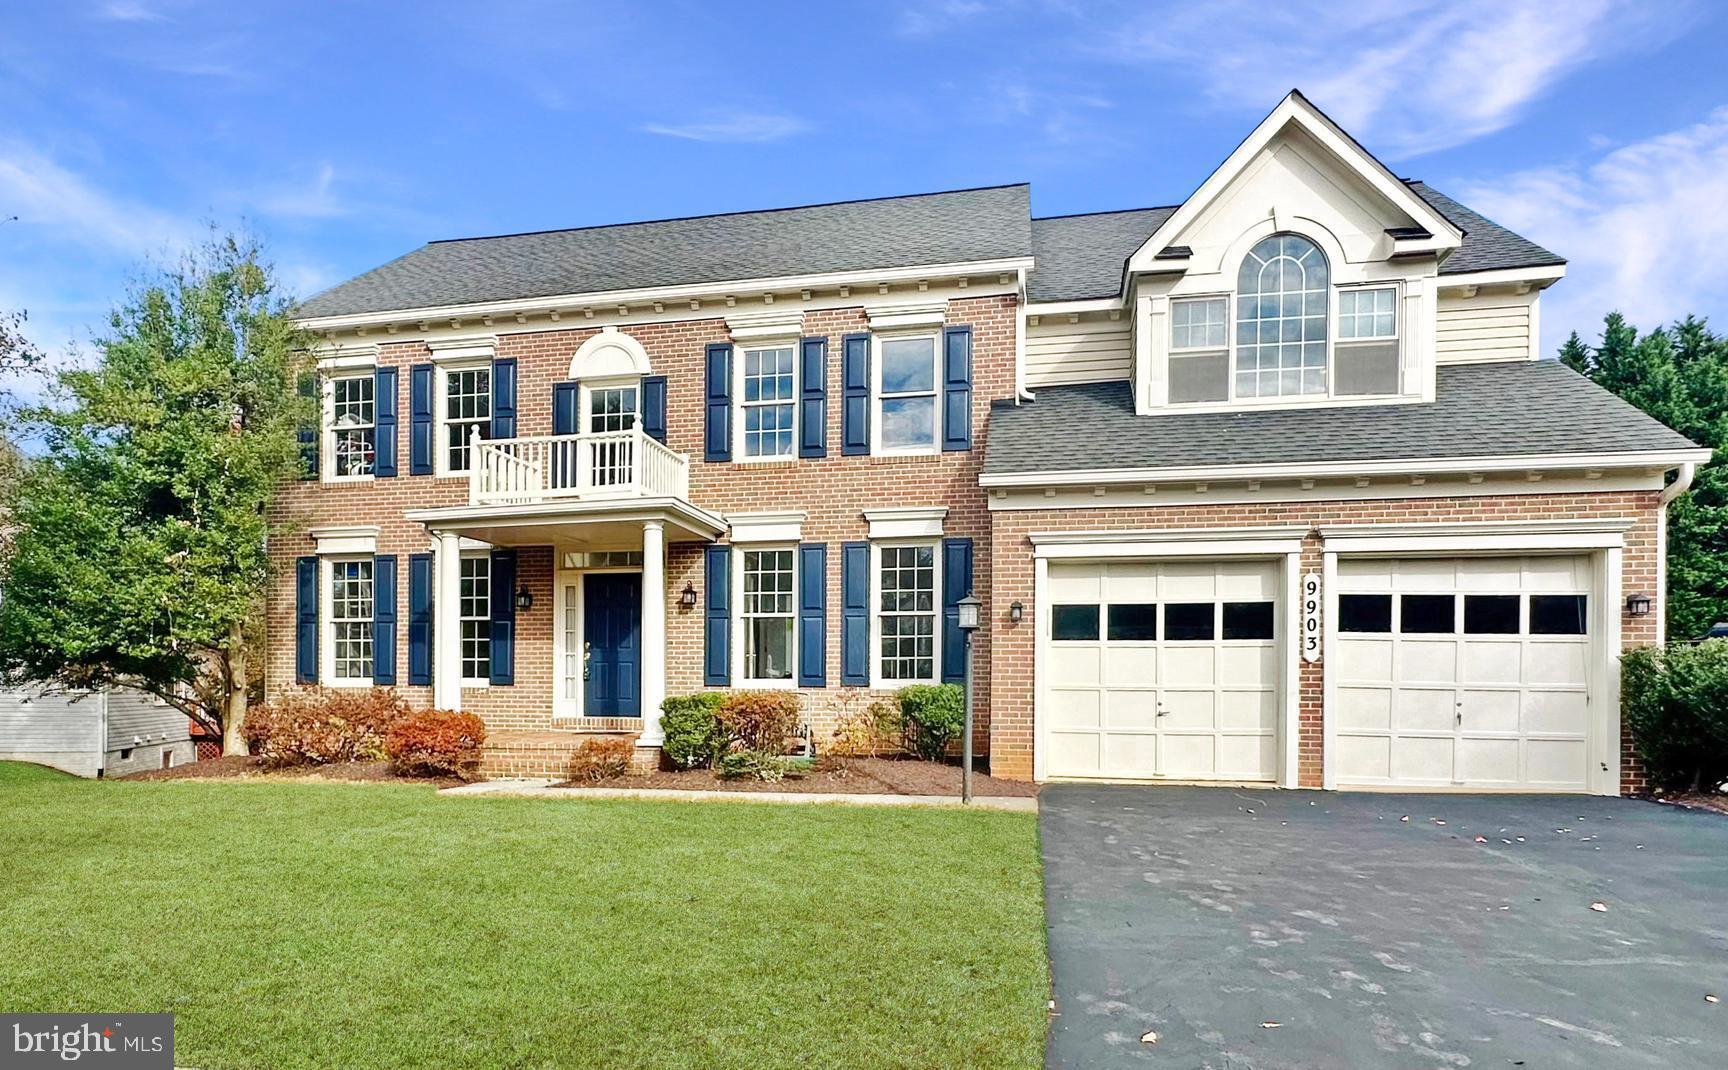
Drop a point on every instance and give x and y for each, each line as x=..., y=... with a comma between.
x=1679, y=375
x=138, y=553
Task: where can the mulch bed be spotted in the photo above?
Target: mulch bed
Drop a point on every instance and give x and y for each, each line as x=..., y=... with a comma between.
x=249, y=768
x=854, y=776
x=1696, y=800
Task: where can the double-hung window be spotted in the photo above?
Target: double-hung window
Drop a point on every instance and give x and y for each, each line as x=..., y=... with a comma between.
x=906, y=613
x=467, y=407
x=353, y=425
x=906, y=381
x=769, y=401
x=768, y=613
x=350, y=635
x=476, y=616
x=1366, y=355
x=612, y=407
x=1200, y=349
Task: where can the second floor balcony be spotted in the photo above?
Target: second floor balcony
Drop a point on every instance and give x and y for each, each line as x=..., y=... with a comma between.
x=585, y=467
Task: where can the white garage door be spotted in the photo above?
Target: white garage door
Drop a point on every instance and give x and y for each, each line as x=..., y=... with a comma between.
x=1162, y=670
x=1470, y=673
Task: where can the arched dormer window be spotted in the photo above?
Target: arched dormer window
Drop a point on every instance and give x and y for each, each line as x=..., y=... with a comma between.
x=1281, y=294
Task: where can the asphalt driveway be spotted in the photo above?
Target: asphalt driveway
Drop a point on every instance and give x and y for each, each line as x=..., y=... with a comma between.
x=1375, y=941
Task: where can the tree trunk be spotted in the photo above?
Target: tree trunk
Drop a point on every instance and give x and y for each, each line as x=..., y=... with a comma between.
x=234, y=703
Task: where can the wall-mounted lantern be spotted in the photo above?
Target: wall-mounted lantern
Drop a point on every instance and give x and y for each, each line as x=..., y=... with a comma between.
x=1016, y=610
x=687, y=597
x=524, y=597
x=1638, y=605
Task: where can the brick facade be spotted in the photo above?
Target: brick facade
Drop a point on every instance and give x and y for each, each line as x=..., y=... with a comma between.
x=833, y=492
x=1011, y=552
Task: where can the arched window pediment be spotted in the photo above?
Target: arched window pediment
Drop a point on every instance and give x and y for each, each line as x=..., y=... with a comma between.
x=611, y=354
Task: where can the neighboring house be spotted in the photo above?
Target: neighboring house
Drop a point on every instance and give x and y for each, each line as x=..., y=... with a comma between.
x=1266, y=486
x=104, y=733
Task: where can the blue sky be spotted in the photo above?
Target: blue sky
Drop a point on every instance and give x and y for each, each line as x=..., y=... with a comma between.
x=344, y=137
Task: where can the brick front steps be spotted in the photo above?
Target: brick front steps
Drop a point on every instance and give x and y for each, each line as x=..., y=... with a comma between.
x=546, y=755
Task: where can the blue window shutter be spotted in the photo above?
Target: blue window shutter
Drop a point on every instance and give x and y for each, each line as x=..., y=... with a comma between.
x=384, y=620
x=503, y=606
x=956, y=584
x=855, y=388
x=504, y=398
x=855, y=614
x=717, y=435
x=420, y=423
x=384, y=417
x=420, y=619
x=564, y=408
x=306, y=620
x=813, y=615
x=717, y=622
x=308, y=433
x=957, y=388
x=654, y=407
x=813, y=397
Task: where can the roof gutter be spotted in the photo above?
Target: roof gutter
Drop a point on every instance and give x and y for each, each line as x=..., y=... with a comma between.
x=1427, y=465
x=1682, y=482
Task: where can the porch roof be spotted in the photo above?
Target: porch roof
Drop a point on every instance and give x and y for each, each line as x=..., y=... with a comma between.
x=579, y=525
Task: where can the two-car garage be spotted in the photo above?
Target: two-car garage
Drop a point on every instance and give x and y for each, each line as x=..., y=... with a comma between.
x=1462, y=671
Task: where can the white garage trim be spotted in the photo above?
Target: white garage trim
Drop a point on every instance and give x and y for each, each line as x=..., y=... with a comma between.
x=1281, y=544
x=1599, y=540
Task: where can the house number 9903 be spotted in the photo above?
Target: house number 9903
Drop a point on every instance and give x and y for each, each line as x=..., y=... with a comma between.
x=1310, y=616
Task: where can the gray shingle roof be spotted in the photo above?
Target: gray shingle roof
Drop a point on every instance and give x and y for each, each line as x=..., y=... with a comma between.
x=932, y=228
x=1081, y=256
x=1480, y=410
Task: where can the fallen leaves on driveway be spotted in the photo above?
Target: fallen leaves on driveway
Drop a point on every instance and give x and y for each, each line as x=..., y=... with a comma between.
x=1271, y=1025
x=1600, y=908
x=1149, y=1037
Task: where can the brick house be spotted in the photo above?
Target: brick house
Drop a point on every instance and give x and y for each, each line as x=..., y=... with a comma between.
x=1267, y=486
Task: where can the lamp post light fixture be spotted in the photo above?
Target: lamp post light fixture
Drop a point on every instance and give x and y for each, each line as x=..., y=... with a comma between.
x=1638, y=605
x=967, y=610
x=687, y=597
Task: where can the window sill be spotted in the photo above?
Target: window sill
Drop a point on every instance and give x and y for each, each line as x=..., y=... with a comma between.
x=369, y=477
x=365, y=681
x=476, y=685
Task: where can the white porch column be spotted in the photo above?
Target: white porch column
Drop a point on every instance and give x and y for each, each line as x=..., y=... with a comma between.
x=653, y=629
x=447, y=624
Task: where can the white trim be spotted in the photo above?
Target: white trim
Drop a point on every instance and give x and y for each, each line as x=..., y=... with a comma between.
x=1057, y=308
x=906, y=523
x=441, y=410
x=1604, y=771
x=877, y=448
x=592, y=351
x=446, y=351
x=1290, y=721
x=908, y=317
x=785, y=526
x=1040, y=672
x=737, y=623
x=1478, y=539
x=1537, y=277
x=1322, y=469
x=1165, y=535
x=327, y=622
x=349, y=356
x=491, y=593
x=1328, y=678
x=327, y=420
x=875, y=613
x=754, y=329
x=740, y=363
x=669, y=294
x=347, y=539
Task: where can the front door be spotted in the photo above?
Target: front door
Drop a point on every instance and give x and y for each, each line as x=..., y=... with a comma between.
x=612, y=635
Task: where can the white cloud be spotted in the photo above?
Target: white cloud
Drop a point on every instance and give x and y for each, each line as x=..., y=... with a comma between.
x=1642, y=227
x=56, y=203
x=1409, y=78
x=924, y=19
x=129, y=11
x=740, y=127
x=316, y=200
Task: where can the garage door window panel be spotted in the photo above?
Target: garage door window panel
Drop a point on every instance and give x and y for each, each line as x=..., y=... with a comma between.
x=1248, y=620
x=1559, y=614
x=1427, y=614
x=1491, y=614
x=1365, y=613
x=1189, y=621
x=1072, y=624
x=1133, y=622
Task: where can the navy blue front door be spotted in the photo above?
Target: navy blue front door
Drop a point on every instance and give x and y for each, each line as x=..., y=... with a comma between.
x=612, y=629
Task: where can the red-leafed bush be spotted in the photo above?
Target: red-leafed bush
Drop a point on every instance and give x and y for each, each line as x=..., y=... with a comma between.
x=607, y=758
x=437, y=743
x=764, y=721
x=321, y=725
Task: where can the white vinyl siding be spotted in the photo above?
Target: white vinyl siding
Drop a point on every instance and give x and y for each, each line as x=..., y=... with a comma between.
x=1090, y=351
x=1489, y=327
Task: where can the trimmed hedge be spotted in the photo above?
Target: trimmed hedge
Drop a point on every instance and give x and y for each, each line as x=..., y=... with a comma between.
x=935, y=716
x=694, y=738
x=1675, y=702
x=321, y=725
x=437, y=743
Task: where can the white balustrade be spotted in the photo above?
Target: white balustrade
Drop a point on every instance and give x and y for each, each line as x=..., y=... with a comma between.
x=604, y=464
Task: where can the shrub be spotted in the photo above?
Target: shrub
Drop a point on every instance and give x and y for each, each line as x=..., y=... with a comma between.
x=870, y=730
x=935, y=714
x=607, y=758
x=319, y=725
x=1675, y=702
x=436, y=743
x=760, y=720
x=767, y=766
x=694, y=737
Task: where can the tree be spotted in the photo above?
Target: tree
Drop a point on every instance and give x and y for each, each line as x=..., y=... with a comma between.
x=1678, y=375
x=139, y=536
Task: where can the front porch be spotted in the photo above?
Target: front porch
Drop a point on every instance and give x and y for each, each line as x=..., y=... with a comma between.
x=604, y=508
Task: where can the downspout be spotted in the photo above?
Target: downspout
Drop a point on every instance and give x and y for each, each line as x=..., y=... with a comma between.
x=1682, y=483
x=102, y=735
x=1020, y=391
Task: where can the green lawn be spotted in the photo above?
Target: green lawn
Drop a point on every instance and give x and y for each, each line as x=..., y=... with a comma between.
x=329, y=925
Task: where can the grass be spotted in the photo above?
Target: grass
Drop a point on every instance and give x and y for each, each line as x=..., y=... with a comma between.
x=317, y=925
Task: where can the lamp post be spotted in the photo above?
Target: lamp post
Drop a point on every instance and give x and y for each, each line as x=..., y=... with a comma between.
x=968, y=613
